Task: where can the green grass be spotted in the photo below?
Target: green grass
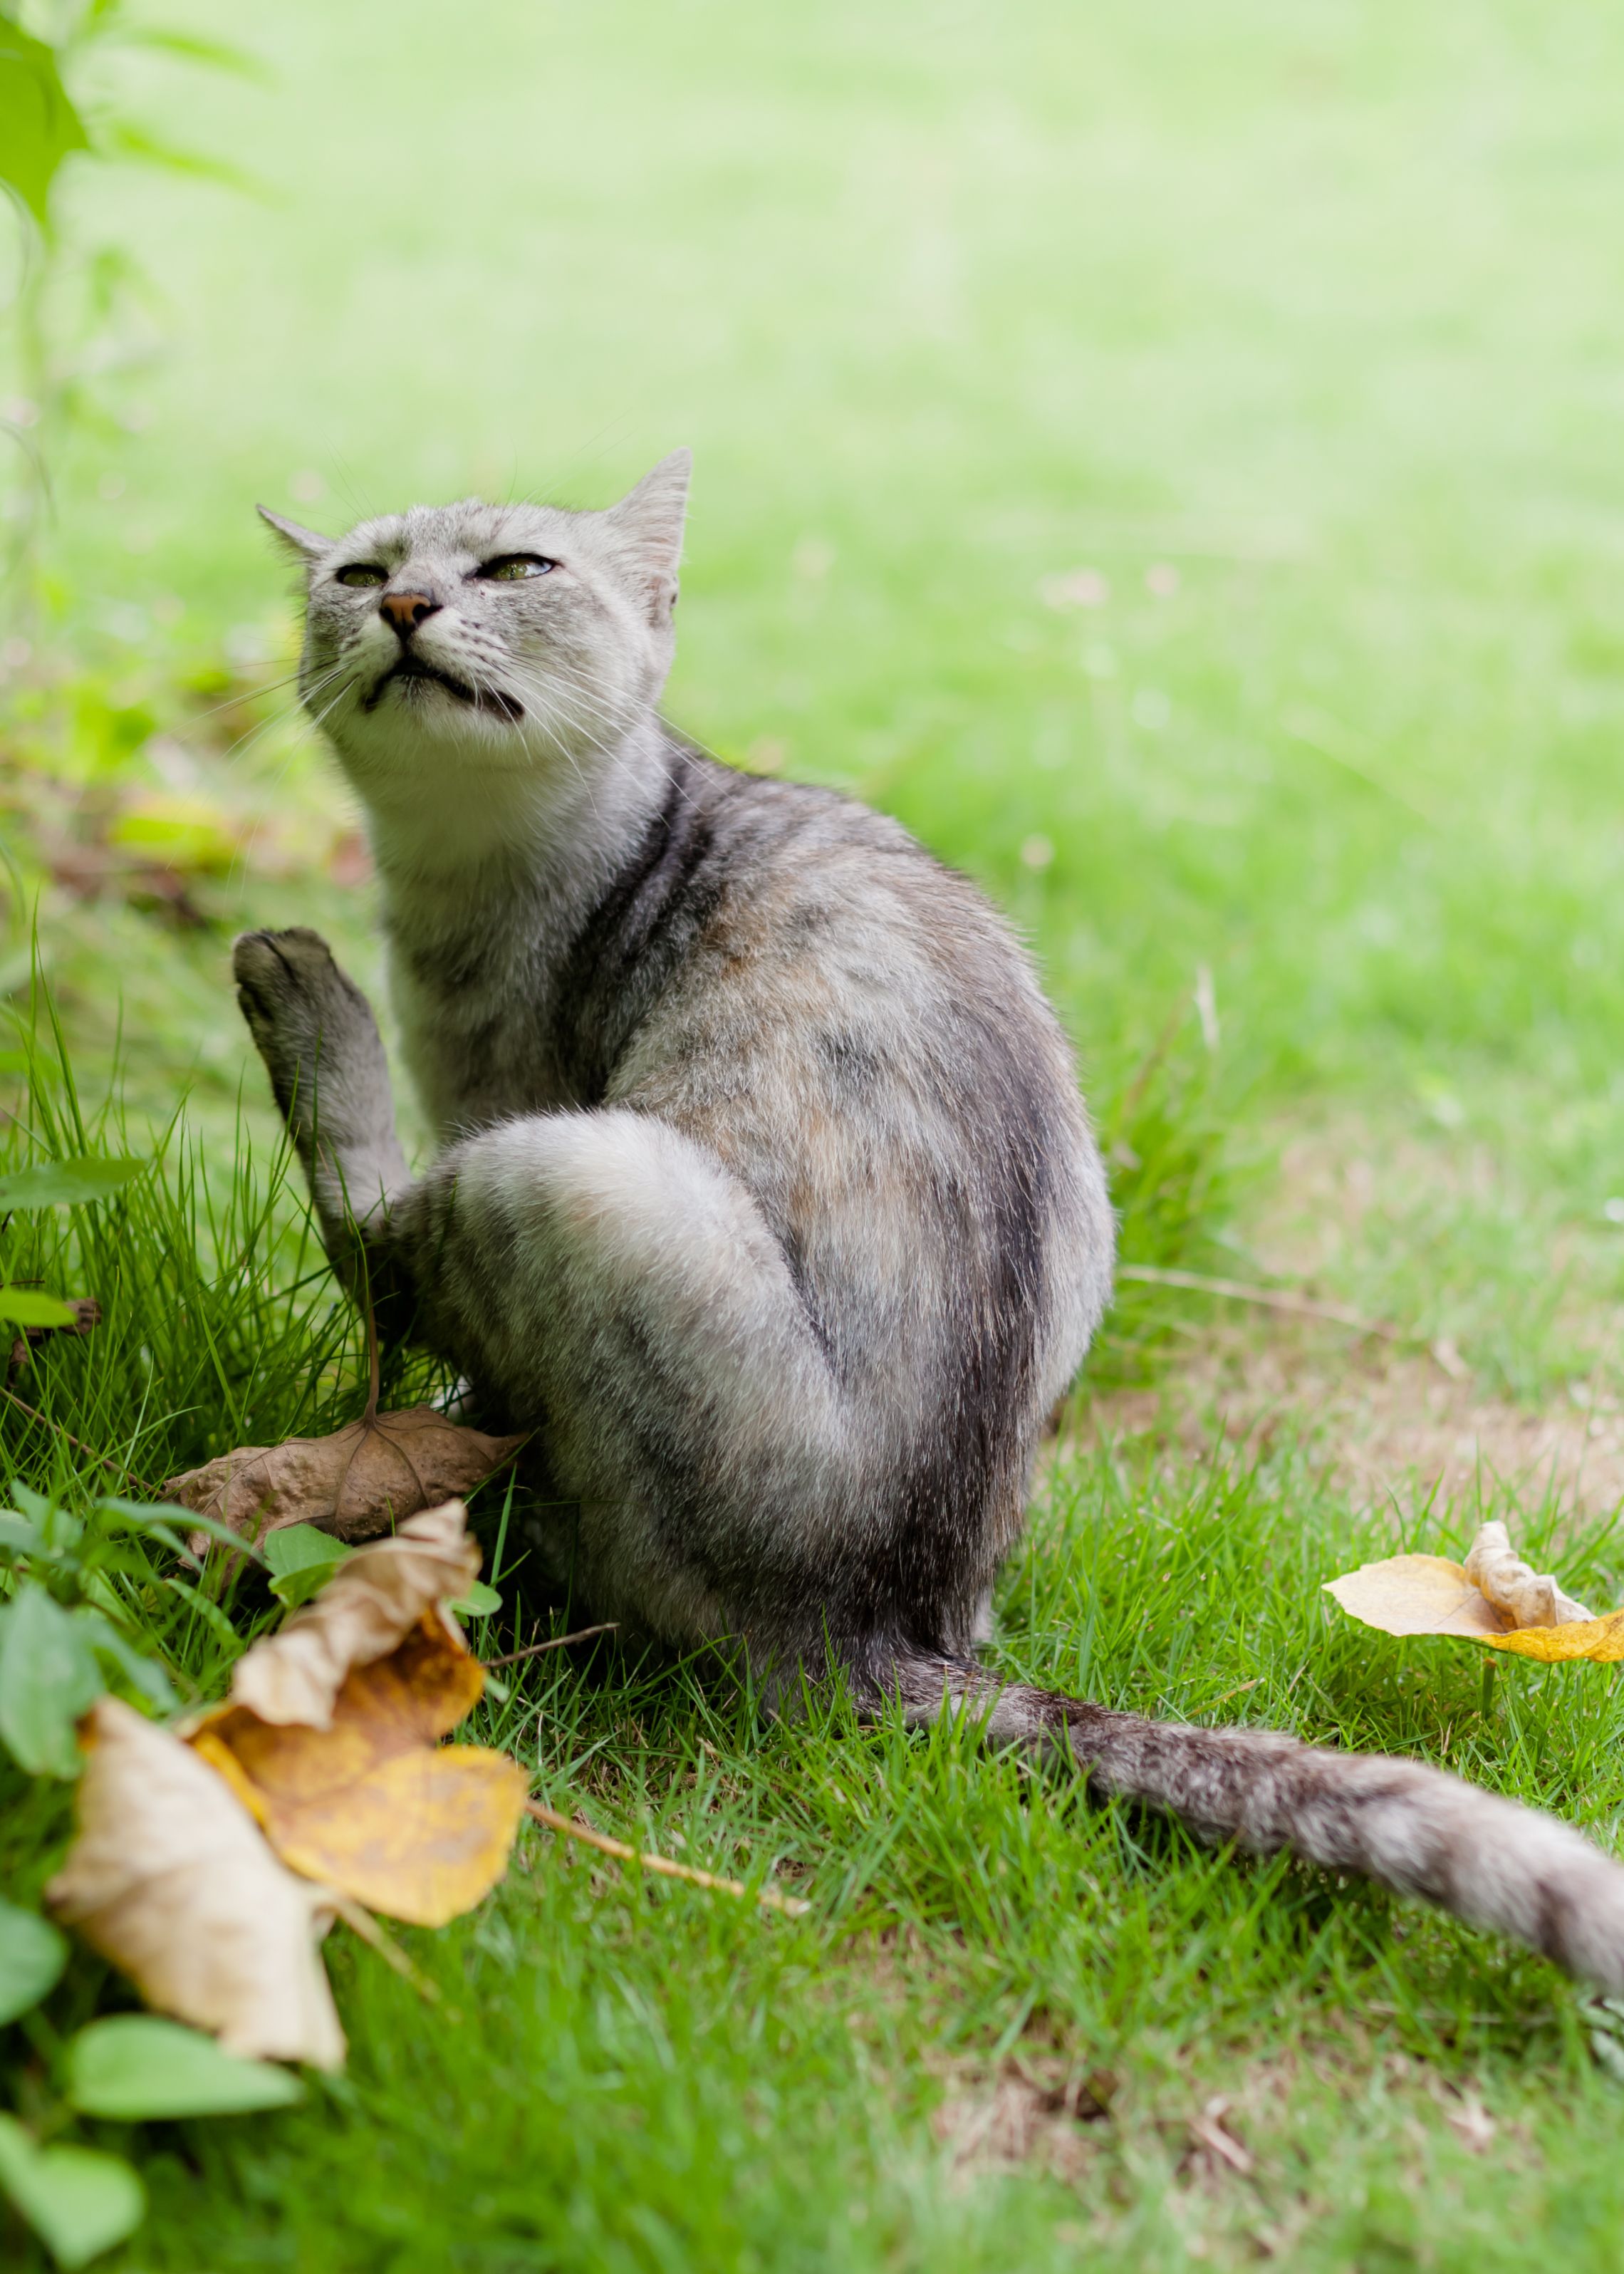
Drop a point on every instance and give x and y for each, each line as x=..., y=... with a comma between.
x=626, y=2074
x=1319, y=308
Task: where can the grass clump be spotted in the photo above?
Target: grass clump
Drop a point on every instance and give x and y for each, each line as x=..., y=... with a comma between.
x=626, y=2073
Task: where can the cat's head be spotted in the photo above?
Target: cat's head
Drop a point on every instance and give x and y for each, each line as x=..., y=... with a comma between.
x=479, y=639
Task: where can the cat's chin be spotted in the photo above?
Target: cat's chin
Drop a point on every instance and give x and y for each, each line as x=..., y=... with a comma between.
x=417, y=686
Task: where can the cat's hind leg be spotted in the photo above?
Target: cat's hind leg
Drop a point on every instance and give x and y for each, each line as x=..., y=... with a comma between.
x=316, y=1032
x=604, y=1279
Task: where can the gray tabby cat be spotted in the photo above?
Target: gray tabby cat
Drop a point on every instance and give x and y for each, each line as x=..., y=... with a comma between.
x=765, y=1196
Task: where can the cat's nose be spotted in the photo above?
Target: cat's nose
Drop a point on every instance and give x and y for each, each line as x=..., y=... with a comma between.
x=403, y=612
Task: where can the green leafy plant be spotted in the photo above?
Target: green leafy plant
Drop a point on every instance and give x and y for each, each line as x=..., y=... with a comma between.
x=131, y=2068
x=71, y=298
x=88, y=1602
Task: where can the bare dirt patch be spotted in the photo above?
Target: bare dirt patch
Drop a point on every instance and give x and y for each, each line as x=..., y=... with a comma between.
x=1034, y=2111
x=1385, y=1426
x=1433, y=1238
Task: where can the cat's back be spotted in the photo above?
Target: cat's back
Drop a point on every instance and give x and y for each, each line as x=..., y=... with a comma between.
x=857, y=1033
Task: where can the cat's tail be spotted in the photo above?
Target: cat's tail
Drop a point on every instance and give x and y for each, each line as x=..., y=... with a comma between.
x=1417, y=1830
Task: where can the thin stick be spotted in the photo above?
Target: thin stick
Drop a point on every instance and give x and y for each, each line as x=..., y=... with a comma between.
x=571, y=1830
x=535, y=1649
x=1151, y=1274
x=1240, y=1690
x=79, y=1443
x=361, y=1923
x=1442, y=1351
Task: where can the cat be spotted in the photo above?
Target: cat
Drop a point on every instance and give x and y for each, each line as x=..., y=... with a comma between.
x=766, y=1196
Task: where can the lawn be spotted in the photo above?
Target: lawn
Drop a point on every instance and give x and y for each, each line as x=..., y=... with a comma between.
x=1170, y=459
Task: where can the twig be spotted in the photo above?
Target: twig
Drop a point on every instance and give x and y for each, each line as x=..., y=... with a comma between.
x=1239, y=1691
x=79, y=1443
x=1442, y=1351
x=1153, y=1275
x=550, y=1817
x=361, y=1922
x=535, y=1649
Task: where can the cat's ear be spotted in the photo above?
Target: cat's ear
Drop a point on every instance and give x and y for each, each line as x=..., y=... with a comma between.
x=302, y=544
x=649, y=521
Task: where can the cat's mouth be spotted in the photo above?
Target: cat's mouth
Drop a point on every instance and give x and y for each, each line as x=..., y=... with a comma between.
x=411, y=669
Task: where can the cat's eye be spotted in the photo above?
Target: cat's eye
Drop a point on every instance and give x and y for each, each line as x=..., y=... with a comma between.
x=509, y=567
x=359, y=574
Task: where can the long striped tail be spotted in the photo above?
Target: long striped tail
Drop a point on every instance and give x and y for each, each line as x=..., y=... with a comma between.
x=1419, y=1831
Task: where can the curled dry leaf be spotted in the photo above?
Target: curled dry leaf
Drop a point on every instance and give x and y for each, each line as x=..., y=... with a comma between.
x=170, y=1879
x=1524, y=1597
x=365, y=1609
x=1429, y=1594
x=330, y=1735
x=355, y=1484
x=369, y=1803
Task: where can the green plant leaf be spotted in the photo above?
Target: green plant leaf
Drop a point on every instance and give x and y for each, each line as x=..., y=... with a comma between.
x=30, y=1307
x=143, y=1675
x=479, y=1602
x=32, y=1956
x=302, y=1558
x=135, y=2067
x=79, y=2201
x=296, y=1547
x=47, y=1677
x=56, y=1184
x=17, y=1536
x=39, y=125
x=166, y=1521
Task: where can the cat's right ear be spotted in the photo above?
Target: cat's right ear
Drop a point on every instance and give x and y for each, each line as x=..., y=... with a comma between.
x=649, y=522
x=302, y=544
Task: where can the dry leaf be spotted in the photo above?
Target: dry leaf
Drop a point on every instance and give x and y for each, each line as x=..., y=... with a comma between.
x=367, y=1607
x=1428, y=1595
x=356, y=1484
x=330, y=1734
x=1416, y=1594
x=367, y=1804
x=1524, y=1597
x=169, y=1877
x=1601, y=1639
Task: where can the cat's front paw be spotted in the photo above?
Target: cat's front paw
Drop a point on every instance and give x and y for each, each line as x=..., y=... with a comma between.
x=315, y=1031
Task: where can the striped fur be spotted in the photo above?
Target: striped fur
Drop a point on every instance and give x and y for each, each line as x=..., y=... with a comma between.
x=765, y=1195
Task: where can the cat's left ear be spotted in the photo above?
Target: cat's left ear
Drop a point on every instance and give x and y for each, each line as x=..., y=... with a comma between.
x=303, y=543
x=649, y=520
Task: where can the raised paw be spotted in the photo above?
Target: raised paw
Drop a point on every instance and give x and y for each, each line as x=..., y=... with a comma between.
x=316, y=1033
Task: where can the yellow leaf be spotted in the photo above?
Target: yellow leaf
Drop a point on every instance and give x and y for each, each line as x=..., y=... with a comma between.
x=1416, y=1594
x=351, y=1790
x=367, y=1608
x=1428, y=1595
x=422, y=1838
x=170, y=1879
x=1601, y=1639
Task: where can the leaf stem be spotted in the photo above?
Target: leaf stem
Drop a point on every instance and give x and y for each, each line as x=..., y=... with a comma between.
x=550, y=1817
x=535, y=1649
x=361, y=1922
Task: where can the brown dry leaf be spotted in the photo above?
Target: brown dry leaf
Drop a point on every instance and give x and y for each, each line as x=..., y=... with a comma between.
x=330, y=1735
x=170, y=1879
x=1428, y=1595
x=356, y=1484
x=1522, y=1596
x=365, y=1609
x=1416, y=1594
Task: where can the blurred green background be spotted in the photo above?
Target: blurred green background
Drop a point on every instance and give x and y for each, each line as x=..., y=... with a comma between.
x=1171, y=457
x=1168, y=456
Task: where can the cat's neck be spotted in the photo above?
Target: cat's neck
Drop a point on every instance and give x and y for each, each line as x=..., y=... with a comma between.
x=547, y=839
